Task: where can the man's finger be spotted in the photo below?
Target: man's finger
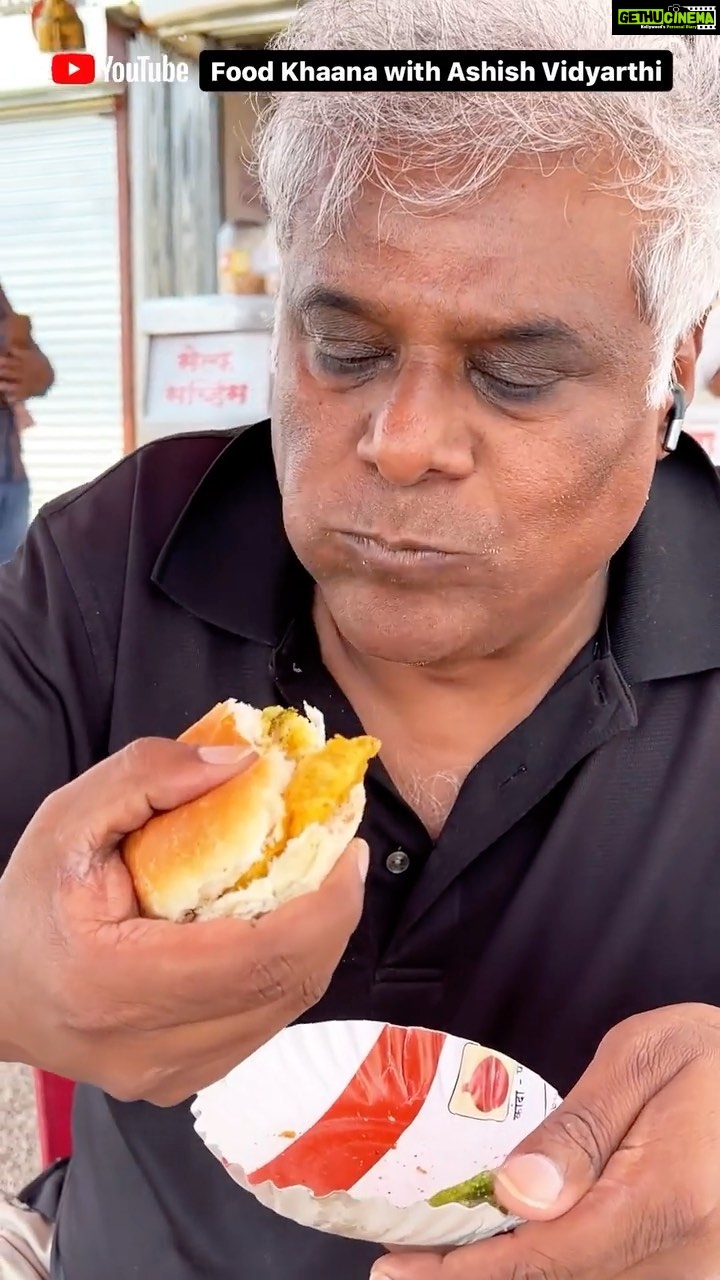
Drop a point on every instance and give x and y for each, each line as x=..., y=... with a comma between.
x=411, y=1266
x=214, y=969
x=552, y=1169
x=558, y=1163
x=336, y=905
x=88, y=817
x=230, y=1017
x=603, y=1238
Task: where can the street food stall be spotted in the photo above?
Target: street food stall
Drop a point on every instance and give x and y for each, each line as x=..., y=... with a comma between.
x=204, y=263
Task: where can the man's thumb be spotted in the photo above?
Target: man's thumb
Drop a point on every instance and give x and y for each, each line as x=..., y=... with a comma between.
x=548, y=1173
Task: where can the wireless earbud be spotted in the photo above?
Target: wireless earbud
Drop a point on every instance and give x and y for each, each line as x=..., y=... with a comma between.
x=675, y=420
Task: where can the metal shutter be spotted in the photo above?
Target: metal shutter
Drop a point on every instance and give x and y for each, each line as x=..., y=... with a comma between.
x=60, y=263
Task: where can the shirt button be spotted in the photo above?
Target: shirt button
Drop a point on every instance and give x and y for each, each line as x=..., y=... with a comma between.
x=397, y=862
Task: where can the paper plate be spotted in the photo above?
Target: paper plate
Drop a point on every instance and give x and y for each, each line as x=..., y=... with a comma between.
x=350, y=1127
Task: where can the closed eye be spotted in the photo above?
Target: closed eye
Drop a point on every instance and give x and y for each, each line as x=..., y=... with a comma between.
x=363, y=362
x=503, y=389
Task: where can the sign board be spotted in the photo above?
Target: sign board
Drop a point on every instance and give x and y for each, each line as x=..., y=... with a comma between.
x=205, y=380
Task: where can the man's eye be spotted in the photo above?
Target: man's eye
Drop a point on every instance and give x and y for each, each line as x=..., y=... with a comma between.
x=503, y=389
x=349, y=363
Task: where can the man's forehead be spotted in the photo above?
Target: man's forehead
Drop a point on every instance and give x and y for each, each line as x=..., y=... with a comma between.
x=502, y=264
x=562, y=203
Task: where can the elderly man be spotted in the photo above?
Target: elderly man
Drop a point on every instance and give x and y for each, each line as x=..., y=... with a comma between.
x=473, y=527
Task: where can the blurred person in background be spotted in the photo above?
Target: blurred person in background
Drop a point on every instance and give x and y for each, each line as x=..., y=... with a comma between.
x=24, y=372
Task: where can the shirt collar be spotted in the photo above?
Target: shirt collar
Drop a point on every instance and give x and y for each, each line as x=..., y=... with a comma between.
x=664, y=601
x=228, y=561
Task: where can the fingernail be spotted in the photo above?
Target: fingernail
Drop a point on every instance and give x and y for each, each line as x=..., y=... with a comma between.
x=363, y=866
x=533, y=1179
x=226, y=755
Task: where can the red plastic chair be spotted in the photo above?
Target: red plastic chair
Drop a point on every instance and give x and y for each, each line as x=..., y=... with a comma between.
x=53, y=1099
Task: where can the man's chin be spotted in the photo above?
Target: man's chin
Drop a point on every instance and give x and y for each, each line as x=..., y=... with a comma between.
x=402, y=630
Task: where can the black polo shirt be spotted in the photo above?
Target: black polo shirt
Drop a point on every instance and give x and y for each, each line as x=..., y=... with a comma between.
x=577, y=880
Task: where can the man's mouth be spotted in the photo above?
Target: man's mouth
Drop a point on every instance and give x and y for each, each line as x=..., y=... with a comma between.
x=374, y=550
x=389, y=543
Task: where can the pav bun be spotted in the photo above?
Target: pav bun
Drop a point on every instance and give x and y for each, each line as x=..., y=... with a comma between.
x=272, y=833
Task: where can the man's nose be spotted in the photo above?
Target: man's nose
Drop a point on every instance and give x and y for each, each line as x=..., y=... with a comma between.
x=419, y=428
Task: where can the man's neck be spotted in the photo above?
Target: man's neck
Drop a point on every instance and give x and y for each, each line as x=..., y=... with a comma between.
x=470, y=700
x=436, y=722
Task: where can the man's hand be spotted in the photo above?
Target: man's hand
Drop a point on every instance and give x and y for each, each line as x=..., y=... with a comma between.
x=622, y=1182
x=24, y=372
x=144, y=1008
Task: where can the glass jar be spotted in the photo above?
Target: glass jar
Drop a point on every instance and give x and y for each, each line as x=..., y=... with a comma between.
x=239, y=254
x=57, y=27
x=270, y=262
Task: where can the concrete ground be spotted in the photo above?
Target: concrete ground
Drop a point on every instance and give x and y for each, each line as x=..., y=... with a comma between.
x=19, y=1157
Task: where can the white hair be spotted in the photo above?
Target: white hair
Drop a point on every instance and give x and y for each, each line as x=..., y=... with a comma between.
x=665, y=145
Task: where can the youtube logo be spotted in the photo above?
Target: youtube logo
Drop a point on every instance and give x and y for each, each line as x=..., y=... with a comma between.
x=73, y=68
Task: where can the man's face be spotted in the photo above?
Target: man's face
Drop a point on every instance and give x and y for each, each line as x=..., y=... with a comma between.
x=459, y=424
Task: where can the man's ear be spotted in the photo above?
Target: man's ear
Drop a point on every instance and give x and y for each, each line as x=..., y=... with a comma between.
x=686, y=358
x=698, y=334
x=683, y=377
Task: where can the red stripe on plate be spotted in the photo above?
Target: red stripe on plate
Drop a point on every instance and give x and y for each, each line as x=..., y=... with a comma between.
x=383, y=1098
